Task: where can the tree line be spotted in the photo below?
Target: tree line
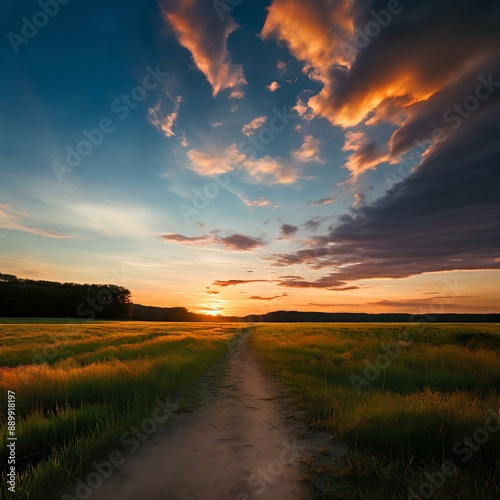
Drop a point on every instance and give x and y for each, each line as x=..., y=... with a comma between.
x=25, y=298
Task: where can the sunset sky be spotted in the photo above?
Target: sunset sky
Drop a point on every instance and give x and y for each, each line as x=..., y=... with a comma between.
x=247, y=156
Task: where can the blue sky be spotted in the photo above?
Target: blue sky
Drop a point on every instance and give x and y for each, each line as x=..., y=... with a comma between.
x=244, y=160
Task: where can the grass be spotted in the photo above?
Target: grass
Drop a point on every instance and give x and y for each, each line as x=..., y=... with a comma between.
x=403, y=419
x=80, y=386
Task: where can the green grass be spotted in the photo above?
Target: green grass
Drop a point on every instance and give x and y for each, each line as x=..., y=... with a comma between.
x=405, y=421
x=80, y=386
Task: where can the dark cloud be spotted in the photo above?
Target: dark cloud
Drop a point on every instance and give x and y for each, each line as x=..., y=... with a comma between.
x=232, y=241
x=240, y=242
x=442, y=217
x=314, y=223
x=238, y=282
x=288, y=230
x=258, y=297
x=323, y=201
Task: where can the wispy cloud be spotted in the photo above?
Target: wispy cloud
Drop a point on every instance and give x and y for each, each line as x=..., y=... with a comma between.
x=224, y=283
x=267, y=170
x=198, y=29
x=308, y=152
x=231, y=241
x=259, y=297
x=260, y=202
x=165, y=122
x=16, y=221
x=322, y=201
x=253, y=126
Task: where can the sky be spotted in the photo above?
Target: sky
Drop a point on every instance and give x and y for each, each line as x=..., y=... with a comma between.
x=237, y=156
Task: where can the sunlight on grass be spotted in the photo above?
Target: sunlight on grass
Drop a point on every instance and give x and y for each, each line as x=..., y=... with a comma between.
x=79, y=386
x=406, y=419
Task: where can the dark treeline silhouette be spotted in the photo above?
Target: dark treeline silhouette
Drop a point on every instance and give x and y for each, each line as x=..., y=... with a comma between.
x=149, y=313
x=24, y=298
x=311, y=317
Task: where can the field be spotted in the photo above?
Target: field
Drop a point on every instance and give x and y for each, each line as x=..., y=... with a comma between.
x=406, y=399
x=80, y=387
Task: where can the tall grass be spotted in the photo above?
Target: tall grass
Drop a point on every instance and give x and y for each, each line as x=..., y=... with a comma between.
x=405, y=421
x=80, y=386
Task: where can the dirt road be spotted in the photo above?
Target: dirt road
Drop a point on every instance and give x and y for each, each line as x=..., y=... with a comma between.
x=239, y=445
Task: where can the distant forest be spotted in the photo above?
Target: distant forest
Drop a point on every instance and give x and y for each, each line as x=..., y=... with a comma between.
x=25, y=298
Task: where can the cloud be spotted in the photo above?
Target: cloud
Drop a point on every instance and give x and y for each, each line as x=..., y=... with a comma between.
x=232, y=241
x=404, y=74
x=273, y=86
x=314, y=223
x=258, y=297
x=442, y=217
x=212, y=292
x=237, y=94
x=330, y=284
x=309, y=151
x=13, y=220
x=253, y=126
x=240, y=242
x=270, y=170
x=281, y=65
x=224, y=283
x=367, y=155
x=400, y=62
x=215, y=163
x=164, y=123
x=323, y=201
x=197, y=28
x=267, y=170
x=359, y=198
x=287, y=230
x=260, y=202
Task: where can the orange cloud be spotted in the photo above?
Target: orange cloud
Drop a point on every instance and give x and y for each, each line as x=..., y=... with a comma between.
x=366, y=153
x=164, y=123
x=267, y=170
x=309, y=151
x=253, y=126
x=273, y=86
x=198, y=29
x=216, y=163
x=376, y=77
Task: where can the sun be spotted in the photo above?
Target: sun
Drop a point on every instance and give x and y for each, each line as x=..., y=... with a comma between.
x=210, y=312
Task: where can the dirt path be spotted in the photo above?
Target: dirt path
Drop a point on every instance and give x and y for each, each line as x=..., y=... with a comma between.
x=240, y=445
